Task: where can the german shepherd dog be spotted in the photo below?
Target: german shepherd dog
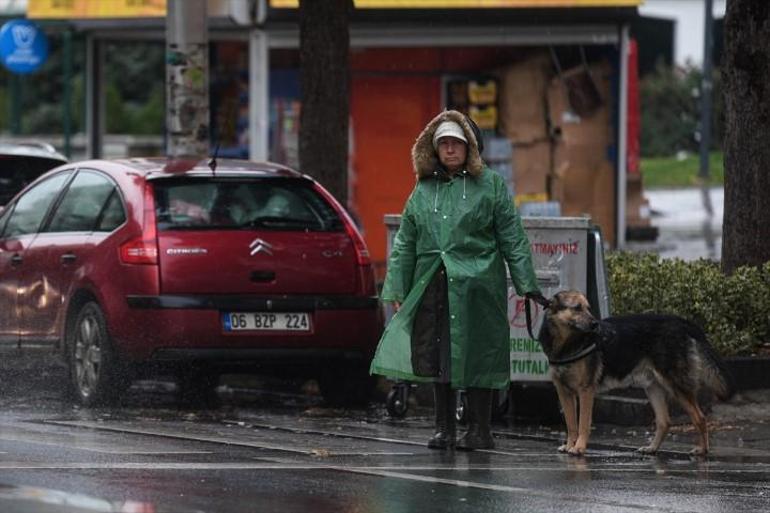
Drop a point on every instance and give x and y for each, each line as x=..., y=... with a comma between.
x=668, y=356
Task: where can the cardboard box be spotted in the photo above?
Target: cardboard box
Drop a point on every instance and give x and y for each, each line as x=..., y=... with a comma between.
x=583, y=177
x=584, y=182
x=589, y=189
x=572, y=128
x=522, y=99
x=531, y=169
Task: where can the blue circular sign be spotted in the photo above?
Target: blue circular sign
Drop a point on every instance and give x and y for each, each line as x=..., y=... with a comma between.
x=23, y=46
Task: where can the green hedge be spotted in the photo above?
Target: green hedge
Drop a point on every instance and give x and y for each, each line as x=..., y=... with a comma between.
x=733, y=310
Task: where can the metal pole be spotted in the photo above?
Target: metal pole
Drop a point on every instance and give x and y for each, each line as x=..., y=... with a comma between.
x=94, y=96
x=187, y=79
x=707, y=85
x=15, y=103
x=622, y=185
x=259, y=75
x=67, y=92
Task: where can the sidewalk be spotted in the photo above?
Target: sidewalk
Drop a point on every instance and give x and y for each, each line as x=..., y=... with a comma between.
x=682, y=224
x=739, y=429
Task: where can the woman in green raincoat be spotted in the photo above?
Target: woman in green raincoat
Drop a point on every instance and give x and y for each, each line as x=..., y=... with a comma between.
x=446, y=277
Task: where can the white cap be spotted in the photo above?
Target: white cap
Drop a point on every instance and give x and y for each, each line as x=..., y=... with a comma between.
x=448, y=129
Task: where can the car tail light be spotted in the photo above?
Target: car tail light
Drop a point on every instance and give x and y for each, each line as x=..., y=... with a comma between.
x=362, y=254
x=143, y=249
x=364, y=261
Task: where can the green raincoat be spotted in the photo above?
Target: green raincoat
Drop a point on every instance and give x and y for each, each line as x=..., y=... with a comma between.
x=471, y=226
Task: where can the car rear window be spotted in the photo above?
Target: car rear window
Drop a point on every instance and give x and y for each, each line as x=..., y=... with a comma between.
x=226, y=203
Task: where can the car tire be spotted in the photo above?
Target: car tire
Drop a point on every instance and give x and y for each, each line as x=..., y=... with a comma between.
x=96, y=375
x=347, y=386
x=461, y=409
x=397, y=401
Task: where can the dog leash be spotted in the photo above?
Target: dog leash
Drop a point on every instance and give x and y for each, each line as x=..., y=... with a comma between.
x=528, y=312
x=562, y=361
x=575, y=357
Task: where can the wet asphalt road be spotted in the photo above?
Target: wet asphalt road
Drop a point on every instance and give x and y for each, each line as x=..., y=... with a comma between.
x=278, y=449
x=283, y=451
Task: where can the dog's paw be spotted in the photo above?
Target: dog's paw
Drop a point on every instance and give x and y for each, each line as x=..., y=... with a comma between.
x=564, y=448
x=647, y=449
x=577, y=451
x=698, y=451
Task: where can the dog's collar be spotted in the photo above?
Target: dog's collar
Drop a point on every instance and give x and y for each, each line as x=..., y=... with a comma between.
x=575, y=357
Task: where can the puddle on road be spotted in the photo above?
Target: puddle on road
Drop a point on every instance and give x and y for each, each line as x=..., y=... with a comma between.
x=33, y=499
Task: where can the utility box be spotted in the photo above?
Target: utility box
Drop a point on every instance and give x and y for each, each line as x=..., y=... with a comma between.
x=568, y=254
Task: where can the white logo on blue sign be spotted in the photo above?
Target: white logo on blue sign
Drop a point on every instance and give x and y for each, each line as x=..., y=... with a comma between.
x=23, y=46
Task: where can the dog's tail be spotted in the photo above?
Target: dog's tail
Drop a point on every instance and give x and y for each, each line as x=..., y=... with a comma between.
x=715, y=374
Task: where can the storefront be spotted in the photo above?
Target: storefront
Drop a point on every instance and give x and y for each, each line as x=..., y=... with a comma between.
x=547, y=84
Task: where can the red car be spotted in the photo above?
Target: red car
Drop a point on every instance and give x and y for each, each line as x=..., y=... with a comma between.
x=133, y=268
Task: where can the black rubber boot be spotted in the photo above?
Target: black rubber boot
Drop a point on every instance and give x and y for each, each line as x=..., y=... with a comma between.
x=479, y=435
x=444, y=408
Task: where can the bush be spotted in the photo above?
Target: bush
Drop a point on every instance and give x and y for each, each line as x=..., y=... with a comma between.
x=670, y=111
x=732, y=310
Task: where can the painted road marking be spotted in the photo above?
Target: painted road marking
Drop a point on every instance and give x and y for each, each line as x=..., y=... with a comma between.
x=98, y=448
x=571, y=498
x=307, y=451
x=267, y=446
x=398, y=471
x=310, y=431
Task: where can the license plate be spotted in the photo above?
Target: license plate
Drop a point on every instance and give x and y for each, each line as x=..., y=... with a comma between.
x=266, y=321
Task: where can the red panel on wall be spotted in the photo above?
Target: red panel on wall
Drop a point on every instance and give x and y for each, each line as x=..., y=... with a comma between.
x=388, y=113
x=395, y=92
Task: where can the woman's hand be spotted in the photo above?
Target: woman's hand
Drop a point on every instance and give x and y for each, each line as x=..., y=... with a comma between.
x=538, y=298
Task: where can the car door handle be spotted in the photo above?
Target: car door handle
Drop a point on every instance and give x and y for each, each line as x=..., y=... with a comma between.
x=16, y=259
x=68, y=258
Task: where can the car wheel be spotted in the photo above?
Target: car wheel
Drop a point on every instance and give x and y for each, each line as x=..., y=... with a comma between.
x=96, y=375
x=198, y=387
x=397, y=402
x=461, y=410
x=347, y=386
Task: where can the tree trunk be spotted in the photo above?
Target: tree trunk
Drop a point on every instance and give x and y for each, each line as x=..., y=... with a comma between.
x=325, y=76
x=746, y=227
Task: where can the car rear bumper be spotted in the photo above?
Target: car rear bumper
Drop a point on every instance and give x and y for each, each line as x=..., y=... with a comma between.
x=191, y=328
x=306, y=356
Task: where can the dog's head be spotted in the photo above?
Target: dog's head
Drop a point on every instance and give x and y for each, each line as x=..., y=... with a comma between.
x=570, y=311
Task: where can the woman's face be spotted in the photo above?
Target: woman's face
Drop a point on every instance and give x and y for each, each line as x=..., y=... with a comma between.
x=452, y=153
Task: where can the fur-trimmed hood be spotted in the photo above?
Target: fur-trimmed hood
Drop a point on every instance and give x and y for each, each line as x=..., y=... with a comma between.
x=424, y=157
